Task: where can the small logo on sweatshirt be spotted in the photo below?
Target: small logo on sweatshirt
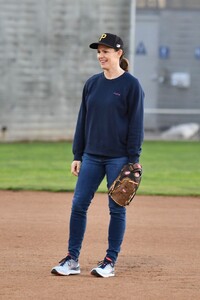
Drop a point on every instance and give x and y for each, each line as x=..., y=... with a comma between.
x=116, y=94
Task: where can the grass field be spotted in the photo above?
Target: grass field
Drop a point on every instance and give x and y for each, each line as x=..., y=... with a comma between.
x=169, y=168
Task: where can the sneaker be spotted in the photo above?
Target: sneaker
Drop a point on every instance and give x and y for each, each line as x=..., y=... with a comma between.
x=67, y=266
x=105, y=268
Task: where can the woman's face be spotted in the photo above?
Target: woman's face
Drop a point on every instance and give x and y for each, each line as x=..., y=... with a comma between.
x=108, y=57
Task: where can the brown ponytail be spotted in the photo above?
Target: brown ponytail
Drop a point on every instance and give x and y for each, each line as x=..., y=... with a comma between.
x=124, y=64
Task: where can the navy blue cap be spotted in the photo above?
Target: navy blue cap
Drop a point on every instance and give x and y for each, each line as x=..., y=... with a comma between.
x=109, y=40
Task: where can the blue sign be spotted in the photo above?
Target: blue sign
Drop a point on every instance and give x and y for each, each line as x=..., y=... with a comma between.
x=141, y=49
x=197, y=53
x=164, y=52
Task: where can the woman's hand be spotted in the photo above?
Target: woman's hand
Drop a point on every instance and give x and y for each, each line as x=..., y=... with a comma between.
x=75, y=167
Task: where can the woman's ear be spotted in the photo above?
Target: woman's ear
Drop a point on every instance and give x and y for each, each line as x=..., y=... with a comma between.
x=120, y=52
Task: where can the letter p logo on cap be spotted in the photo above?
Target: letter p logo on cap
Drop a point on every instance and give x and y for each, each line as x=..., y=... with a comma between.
x=103, y=36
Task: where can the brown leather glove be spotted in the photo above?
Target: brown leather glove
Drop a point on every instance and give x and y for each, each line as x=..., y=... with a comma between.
x=124, y=188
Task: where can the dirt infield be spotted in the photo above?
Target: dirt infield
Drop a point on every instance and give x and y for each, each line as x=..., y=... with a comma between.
x=160, y=257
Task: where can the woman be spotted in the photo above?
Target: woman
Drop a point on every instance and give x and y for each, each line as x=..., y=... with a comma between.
x=109, y=134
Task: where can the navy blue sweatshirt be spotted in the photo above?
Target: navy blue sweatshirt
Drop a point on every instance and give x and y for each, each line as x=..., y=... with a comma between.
x=110, y=120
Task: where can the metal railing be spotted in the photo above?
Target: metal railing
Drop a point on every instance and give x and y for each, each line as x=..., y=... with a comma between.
x=172, y=111
x=172, y=4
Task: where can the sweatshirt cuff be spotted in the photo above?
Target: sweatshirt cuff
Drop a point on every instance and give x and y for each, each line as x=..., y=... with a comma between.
x=134, y=159
x=78, y=157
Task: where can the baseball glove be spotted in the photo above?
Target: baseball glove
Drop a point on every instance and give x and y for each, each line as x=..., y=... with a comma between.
x=124, y=188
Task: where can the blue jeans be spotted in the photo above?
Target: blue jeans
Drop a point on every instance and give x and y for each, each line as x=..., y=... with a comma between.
x=93, y=170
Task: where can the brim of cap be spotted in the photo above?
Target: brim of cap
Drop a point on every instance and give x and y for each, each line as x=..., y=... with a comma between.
x=95, y=45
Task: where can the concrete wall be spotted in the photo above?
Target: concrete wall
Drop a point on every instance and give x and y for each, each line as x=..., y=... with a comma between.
x=45, y=60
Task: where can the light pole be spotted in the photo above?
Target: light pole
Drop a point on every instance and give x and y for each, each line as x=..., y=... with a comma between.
x=132, y=35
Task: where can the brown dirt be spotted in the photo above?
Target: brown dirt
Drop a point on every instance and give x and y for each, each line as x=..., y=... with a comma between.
x=160, y=257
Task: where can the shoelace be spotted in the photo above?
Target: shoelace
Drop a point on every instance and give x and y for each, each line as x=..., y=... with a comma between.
x=63, y=261
x=103, y=263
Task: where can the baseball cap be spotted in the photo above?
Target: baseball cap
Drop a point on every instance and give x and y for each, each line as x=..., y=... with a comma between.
x=109, y=40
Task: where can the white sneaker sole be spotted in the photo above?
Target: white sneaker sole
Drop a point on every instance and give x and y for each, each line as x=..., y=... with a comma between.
x=96, y=272
x=60, y=272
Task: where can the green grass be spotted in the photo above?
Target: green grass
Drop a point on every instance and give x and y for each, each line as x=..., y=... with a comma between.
x=169, y=168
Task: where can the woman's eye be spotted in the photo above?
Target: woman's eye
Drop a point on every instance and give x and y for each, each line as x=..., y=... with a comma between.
x=103, y=51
